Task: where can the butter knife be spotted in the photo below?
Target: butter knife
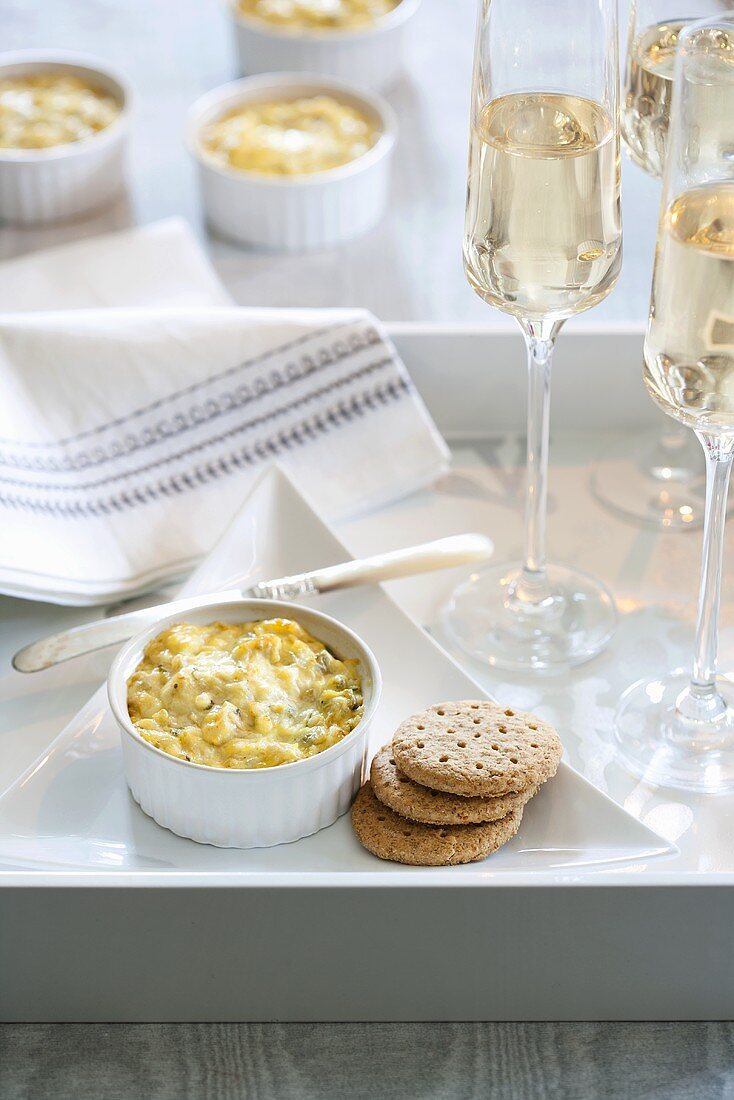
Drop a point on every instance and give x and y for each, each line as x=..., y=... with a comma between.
x=441, y=554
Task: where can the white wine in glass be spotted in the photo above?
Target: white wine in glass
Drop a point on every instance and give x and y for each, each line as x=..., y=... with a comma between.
x=678, y=730
x=647, y=93
x=654, y=29
x=689, y=350
x=558, y=257
x=542, y=243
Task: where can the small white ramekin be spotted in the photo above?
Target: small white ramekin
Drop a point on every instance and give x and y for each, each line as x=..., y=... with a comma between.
x=236, y=808
x=293, y=213
x=370, y=56
x=49, y=185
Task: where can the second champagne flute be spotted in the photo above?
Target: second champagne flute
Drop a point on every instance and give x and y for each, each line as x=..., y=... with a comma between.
x=663, y=483
x=677, y=730
x=542, y=242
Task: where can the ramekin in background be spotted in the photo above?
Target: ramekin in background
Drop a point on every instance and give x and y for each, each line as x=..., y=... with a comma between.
x=371, y=56
x=48, y=185
x=256, y=808
x=293, y=213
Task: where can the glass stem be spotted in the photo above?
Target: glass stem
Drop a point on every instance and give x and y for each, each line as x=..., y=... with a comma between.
x=532, y=586
x=701, y=702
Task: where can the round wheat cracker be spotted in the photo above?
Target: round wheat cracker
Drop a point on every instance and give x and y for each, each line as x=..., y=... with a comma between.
x=389, y=836
x=418, y=803
x=476, y=748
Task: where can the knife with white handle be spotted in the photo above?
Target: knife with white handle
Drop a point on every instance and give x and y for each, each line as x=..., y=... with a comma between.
x=442, y=554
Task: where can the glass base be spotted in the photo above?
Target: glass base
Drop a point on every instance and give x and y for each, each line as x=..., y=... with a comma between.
x=496, y=618
x=658, y=744
x=666, y=487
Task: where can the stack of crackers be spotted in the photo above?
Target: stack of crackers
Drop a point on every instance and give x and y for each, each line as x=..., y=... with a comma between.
x=452, y=786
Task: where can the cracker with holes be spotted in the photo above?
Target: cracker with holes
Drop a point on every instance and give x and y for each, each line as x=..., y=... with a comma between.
x=419, y=803
x=389, y=836
x=476, y=748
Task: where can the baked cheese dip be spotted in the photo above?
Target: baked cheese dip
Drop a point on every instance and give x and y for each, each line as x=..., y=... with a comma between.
x=41, y=110
x=243, y=695
x=289, y=137
x=305, y=15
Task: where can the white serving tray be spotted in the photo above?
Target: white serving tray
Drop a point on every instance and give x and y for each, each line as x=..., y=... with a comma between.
x=646, y=938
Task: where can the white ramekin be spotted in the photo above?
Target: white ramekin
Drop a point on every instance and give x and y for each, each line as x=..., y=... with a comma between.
x=370, y=56
x=65, y=181
x=246, y=809
x=293, y=213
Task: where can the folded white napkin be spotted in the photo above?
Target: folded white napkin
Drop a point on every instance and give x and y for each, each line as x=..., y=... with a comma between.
x=129, y=436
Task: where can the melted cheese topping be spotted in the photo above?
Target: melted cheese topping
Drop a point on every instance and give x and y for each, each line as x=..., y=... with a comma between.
x=318, y=14
x=243, y=695
x=289, y=138
x=45, y=109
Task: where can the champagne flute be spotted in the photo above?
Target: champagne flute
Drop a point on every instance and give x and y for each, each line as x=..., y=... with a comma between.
x=542, y=243
x=653, y=33
x=679, y=730
x=666, y=484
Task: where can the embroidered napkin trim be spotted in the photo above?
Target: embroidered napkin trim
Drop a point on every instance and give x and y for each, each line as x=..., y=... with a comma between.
x=364, y=375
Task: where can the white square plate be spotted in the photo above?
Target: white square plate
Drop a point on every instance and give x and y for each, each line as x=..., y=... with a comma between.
x=71, y=820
